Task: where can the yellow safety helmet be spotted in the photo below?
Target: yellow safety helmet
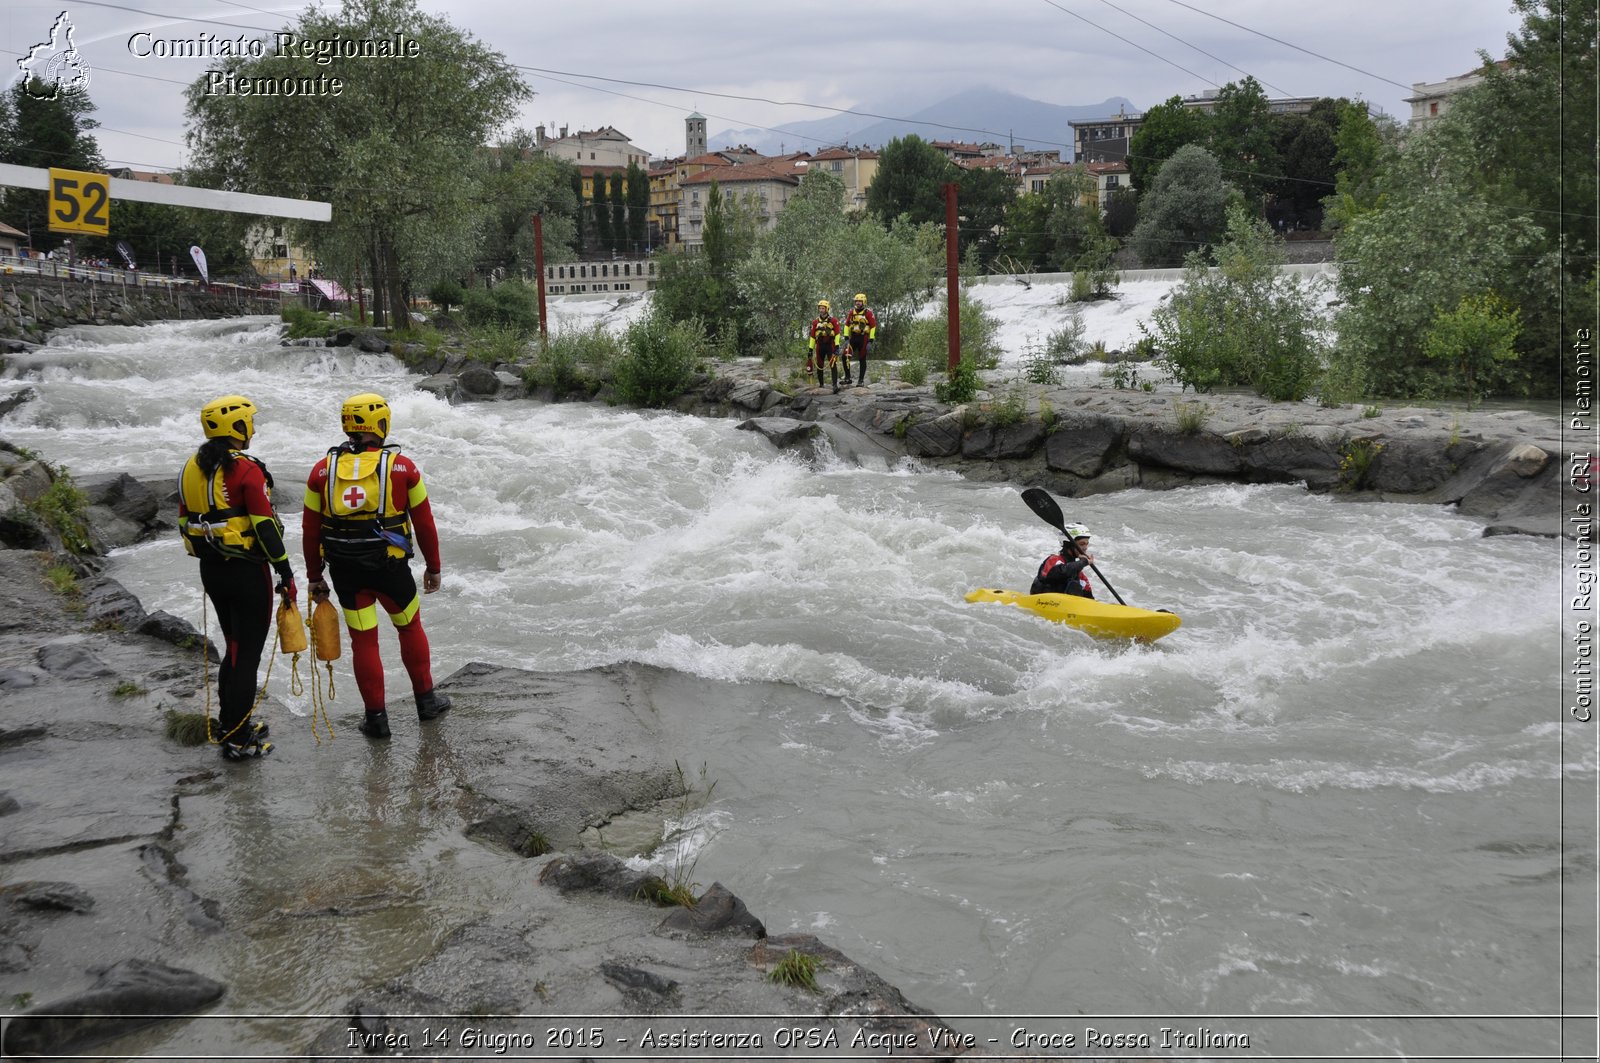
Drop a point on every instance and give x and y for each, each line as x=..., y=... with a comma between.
x=366, y=412
x=822, y=304
x=232, y=416
x=861, y=297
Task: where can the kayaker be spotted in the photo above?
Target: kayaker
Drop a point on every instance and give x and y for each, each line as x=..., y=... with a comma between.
x=1064, y=572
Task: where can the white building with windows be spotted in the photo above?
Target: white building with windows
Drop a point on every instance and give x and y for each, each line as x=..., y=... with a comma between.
x=763, y=186
x=1431, y=100
x=634, y=274
x=604, y=147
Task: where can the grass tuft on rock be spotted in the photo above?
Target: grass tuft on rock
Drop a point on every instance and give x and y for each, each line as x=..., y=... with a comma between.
x=796, y=969
x=186, y=728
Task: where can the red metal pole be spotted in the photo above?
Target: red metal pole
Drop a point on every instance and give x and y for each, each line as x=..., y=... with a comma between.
x=952, y=276
x=538, y=265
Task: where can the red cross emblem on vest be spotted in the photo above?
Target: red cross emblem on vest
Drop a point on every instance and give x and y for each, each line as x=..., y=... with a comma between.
x=355, y=497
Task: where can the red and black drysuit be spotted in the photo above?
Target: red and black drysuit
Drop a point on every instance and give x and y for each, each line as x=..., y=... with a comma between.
x=823, y=346
x=236, y=536
x=860, y=331
x=369, y=569
x=1060, y=574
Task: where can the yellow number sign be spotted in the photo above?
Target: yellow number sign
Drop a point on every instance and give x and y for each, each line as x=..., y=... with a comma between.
x=80, y=202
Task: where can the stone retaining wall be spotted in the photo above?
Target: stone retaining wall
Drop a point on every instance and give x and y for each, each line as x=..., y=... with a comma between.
x=32, y=307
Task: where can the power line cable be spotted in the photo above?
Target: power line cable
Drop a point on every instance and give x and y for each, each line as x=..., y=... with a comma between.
x=1133, y=44
x=1196, y=47
x=1296, y=47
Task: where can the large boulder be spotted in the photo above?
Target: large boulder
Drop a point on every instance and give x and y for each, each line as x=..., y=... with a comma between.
x=1082, y=444
x=477, y=382
x=938, y=438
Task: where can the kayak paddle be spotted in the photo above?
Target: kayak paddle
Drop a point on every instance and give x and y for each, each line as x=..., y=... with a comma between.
x=1039, y=500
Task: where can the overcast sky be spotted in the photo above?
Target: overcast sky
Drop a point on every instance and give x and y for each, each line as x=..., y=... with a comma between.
x=890, y=58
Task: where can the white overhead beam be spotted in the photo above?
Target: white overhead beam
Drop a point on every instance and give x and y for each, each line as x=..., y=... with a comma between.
x=181, y=195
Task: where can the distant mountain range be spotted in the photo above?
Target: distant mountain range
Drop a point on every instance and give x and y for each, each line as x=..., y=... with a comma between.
x=976, y=116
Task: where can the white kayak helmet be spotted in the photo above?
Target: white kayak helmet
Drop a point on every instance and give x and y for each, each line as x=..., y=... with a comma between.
x=1076, y=531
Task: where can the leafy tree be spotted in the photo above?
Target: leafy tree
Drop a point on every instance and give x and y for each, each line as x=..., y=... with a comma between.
x=517, y=184
x=1307, y=146
x=42, y=133
x=1245, y=323
x=579, y=236
x=1027, y=239
x=638, y=208
x=1164, y=129
x=1436, y=235
x=1053, y=228
x=600, y=210
x=1459, y=212
x=398, y=151
x=982, y=197
x=1075, y=224
x=446, y=293
x=1473, y=338
x=699, y=286
x=619, y=213
x=1240, y=136
x=910, y=180
x=1360, y=147
x=1548, y=97
x=1122, y=212
x=1184, y=211
x=817, y=251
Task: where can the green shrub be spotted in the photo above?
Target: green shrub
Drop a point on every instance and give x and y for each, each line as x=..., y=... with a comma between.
x=1355, y=463
x=1190, y=416
x=572, y=358
x=63, y=506
x=496, y=343
x=1009, y=408
x=1243, y=324
x=1038, y=367
x=929, y=337
x=658, y=360
x=509, y=304
x=445, y=294
x=305, y=323
x=960, y=386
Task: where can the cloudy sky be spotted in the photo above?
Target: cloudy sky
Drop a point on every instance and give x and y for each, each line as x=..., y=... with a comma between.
x=643, y=66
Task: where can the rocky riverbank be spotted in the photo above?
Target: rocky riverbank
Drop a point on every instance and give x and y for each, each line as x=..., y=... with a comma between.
x=1506, y=468
x=116, y=916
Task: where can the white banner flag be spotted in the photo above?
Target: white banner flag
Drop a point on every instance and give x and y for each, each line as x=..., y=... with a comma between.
x=199, y=257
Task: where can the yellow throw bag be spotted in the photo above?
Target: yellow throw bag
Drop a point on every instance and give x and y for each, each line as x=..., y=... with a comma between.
x=325, y=630
x=291, y=629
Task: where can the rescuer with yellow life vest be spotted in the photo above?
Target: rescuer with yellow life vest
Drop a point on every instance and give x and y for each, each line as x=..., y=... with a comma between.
x=366, y=513
x=860, y=330
x=226, y=519
x=823, y=344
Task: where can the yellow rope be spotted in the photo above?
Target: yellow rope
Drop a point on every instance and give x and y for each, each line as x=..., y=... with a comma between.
x=318, y=703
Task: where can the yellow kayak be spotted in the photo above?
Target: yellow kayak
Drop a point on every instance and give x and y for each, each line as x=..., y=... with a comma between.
x=1097, y=618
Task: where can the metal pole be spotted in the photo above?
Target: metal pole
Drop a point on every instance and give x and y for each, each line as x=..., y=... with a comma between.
x=952, y=276
x=538, y=266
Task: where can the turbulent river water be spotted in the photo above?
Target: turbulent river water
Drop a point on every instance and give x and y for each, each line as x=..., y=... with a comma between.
x=1336, y=790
